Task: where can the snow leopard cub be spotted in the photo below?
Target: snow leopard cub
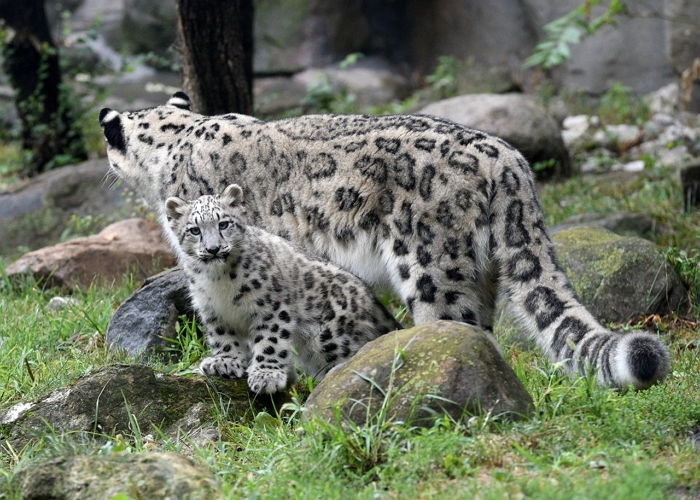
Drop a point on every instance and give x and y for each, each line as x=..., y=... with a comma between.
x=264, y=303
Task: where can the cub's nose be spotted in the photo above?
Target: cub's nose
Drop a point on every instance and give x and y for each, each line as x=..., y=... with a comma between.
x=213, y=250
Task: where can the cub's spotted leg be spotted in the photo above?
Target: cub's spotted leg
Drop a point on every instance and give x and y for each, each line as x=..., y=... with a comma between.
x=230, y=356
x=271, y=369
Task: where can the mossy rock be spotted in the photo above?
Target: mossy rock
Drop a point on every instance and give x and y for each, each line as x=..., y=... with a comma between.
x=426, y=371
x=148, y=475
x=617, y=277
x=109, y=400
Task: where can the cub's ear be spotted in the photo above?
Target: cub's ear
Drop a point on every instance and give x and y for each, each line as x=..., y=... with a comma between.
x=232, y=195
x=180, y=100
x=111, y=124
x=175, y=207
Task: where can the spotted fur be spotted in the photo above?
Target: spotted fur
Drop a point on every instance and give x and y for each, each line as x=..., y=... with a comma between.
x=445, y=215
x=265, y=303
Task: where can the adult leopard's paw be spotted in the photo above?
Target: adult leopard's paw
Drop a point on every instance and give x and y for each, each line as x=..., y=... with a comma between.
x=226, y=367
x=267, y=380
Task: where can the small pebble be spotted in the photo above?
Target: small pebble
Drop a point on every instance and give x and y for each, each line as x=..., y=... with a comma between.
x=634, y=166
x=59, y=303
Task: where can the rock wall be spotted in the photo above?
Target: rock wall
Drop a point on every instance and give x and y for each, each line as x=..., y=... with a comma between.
x=645, y=50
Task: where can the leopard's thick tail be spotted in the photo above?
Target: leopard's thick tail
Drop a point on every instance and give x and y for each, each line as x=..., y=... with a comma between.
x=540, y=294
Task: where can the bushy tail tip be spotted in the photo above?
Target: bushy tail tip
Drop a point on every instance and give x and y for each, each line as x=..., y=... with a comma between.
x=642, y=360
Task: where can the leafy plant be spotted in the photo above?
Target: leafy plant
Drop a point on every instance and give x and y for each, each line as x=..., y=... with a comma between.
x=687, y=264
x=570, y=29
x=188, y=344
x=620, y=105
x=443, y=79
x=326, y=97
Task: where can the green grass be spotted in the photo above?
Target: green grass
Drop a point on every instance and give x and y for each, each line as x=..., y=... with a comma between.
x=656, y=192
x=584, y=442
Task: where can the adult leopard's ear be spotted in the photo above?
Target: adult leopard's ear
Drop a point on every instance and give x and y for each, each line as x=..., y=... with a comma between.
x=232, y=195
x=180, y=100
x=113, y=130
x=175, y=207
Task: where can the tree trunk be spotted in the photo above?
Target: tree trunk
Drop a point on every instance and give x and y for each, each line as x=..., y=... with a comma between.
x=216, y=38
x=30, y=59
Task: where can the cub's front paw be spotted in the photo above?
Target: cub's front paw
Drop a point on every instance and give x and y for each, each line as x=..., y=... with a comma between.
x=218, y=366
x=268, y=380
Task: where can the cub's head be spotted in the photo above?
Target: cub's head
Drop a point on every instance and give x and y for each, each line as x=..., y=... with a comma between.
x=136, y=140
x=208, y=229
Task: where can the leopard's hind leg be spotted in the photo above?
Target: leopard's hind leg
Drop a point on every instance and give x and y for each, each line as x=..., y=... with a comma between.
x=444, y=275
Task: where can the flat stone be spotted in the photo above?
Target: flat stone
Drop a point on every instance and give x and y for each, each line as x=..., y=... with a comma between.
x=442, y=368
x=133, y=246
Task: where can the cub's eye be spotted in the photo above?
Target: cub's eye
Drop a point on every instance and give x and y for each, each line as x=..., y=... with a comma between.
x=194, y=231
x=223, y=225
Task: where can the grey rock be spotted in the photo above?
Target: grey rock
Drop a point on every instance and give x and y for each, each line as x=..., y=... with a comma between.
x=143, y=322
x=107, y=400
x=515, y=118
x=665, y=100
x=577, y=128
x=618, y=138
x=153, y=475
x=34, y=213
x=619, y=278
x=426, y=371
x=625, y=224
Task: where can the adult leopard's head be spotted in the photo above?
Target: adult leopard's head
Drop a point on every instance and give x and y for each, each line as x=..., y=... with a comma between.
x=137, y=140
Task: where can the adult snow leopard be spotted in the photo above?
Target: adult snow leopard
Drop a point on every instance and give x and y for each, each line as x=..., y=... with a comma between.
x=445, y=215
x=265, y=303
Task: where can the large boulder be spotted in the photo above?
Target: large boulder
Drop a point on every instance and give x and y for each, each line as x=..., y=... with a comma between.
x=515, y=118
x=132, y=246
x=432, y=369
x=157, y=476
x=111, y=399
x=616, y=277
x=35, y=213
x=144, y=323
